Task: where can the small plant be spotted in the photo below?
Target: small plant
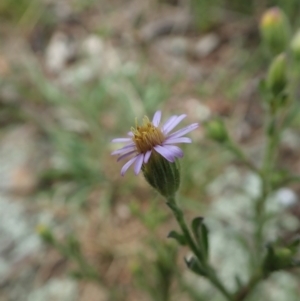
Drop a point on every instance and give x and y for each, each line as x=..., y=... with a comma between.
x=153, y=153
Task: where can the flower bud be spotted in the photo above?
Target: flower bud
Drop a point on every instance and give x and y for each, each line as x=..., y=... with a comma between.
x=216, y=130
x=277, y=78
x=295, y=45
x=278, y=258
x=275, y=30
x=284, y=258
x=162, y=175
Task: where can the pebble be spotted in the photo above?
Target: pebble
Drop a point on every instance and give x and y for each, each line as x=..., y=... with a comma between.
x=18, y=239
x=92, y=46
x=59, y=51
x=56, y=290
x=19, y=159
x=177, y=46
x=206, y=45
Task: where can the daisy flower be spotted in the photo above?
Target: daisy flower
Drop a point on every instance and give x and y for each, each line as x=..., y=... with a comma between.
x=144, y=140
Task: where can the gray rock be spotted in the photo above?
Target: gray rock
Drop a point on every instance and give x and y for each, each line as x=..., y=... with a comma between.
x=20, y=156
x=177, y=23
x=93, y=46
x=100, y=60
x=177, y=46
x=234, y=193
x=206, y=45
x=18, y=239
x=58, y=52
x=56, y=290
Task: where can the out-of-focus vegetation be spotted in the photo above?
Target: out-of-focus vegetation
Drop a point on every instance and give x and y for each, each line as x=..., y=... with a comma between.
x=113, y=230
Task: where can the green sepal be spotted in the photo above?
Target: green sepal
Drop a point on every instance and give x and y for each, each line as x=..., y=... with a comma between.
x=194, y=265
x=178, y=237
x=162, y=175
x=200, y=232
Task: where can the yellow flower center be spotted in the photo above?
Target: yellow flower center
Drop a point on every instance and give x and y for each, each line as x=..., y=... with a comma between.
x=146, y=136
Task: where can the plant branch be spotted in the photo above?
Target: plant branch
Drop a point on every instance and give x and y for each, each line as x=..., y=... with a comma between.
x=210, y=273
x=235, y=149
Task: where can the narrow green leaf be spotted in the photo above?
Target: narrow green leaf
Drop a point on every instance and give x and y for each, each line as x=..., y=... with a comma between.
x=194, y=265
x=178, y=237
x=200, y=232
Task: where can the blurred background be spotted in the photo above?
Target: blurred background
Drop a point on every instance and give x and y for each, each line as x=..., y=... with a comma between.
x=74, y=74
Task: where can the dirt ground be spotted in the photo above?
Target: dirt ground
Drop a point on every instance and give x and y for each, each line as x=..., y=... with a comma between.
x=204, y=70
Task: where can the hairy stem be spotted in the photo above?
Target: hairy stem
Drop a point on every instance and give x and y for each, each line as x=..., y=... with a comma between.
x=211, y=274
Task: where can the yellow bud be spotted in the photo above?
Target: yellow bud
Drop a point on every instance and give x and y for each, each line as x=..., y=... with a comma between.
x=275, y=30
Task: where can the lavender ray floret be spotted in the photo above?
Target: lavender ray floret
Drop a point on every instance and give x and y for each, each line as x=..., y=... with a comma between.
x=175, y=150
x=125, y=155
x=127, y=165
x=168, y=122
x=177, y=140
x=162, y=150
x=174, y=123
x=184, y=131
x=126, y=148
x=138, y=163
x=147, y=156
x=117, y=140
x=156, y=118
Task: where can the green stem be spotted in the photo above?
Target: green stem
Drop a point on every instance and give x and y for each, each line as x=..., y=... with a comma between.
x=243, y=293
x=211, y=274
x=235, y=149
x=290, y=179
x=273, y=137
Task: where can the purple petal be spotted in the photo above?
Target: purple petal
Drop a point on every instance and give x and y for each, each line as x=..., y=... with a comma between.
x=117, y=140
x=184, y=131
x=168, y=122
x=147, y=156
x=130, y=134
x=138, y=163
x=174, y=123
x=126, y=155
x=175, y=150
x=165, y=152
x=126, y=148
x=156, y=118
x=127, y=165
x=178, y=140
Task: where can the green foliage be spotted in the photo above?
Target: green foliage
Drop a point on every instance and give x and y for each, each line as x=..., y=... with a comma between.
x=156, y=276
x=82, y=121
x=208, y=13
x=15, y=9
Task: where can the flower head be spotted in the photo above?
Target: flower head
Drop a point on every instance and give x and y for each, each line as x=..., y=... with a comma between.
x=275, y=30
x=146, y=139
